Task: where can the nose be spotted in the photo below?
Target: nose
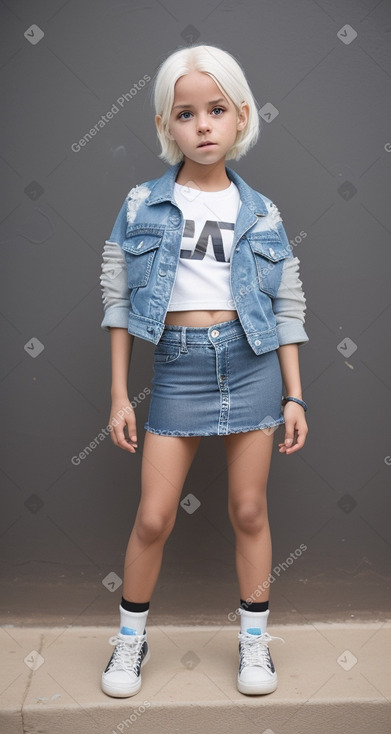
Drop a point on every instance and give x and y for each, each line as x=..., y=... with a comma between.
x=203, y=123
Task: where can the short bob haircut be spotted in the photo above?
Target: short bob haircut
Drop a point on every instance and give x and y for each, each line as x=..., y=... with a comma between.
x=229, y=77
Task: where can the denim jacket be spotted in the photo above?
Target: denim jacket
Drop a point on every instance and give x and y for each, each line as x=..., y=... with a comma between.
x=140, y=261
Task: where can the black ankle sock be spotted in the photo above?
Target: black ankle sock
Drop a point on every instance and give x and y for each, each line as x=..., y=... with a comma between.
x=261, y=606
x=134, y=606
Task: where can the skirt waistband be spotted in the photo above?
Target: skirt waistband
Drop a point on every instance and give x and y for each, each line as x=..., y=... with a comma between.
x=222, y=331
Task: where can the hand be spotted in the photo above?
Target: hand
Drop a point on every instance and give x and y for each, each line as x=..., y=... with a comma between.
x=296, y=428
x=123, y=422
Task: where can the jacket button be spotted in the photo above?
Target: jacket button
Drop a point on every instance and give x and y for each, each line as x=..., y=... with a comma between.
x=271, y=251
x=150, y=329
x=140, y=244
x=162, y=272
x=215, y=333
x=257, y=342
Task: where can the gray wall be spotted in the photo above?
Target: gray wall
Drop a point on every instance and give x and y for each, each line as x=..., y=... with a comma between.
x=325, y=160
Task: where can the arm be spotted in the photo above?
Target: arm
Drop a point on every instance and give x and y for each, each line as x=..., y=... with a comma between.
x=288, y=354
x=122, y=417
x=115, y=297
x=121, y=351
x=296, y=428
x=114, y=287
x=289, y=306
x=113, y=279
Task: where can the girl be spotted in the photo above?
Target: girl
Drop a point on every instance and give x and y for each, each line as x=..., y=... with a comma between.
x=199, y=263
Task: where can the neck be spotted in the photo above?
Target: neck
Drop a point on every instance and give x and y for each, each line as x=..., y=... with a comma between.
x=210, y=177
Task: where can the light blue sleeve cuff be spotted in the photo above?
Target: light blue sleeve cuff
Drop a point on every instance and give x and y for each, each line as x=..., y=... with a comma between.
x=117, y=316
x=292, y=332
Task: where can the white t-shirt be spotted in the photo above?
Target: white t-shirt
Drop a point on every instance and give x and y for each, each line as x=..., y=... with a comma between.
x=203, y=275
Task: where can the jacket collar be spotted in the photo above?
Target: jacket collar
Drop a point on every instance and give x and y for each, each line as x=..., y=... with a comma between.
x=163, y=190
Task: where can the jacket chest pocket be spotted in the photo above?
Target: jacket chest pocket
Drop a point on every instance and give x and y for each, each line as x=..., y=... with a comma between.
x=269, y=255
x=140, y=251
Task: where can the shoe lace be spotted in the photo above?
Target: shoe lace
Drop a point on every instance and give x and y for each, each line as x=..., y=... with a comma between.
x=255, y=649
x=126, y=653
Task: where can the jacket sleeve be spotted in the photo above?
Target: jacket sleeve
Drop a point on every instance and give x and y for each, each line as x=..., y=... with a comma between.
x=289, y=304
x=114, y=279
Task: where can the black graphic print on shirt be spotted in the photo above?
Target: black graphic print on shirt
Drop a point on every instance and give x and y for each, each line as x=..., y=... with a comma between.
x=210, y=229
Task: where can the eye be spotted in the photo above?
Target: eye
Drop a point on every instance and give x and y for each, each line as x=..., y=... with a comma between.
x=180, y=117
x=220, y=109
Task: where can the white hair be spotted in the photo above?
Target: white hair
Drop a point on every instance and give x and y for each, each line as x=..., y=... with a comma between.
x=229, y=77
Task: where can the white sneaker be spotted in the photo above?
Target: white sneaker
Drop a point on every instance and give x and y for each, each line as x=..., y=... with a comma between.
x=122, y=676
x=257, y=673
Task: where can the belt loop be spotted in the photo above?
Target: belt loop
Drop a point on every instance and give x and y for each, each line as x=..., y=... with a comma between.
x=183, y=339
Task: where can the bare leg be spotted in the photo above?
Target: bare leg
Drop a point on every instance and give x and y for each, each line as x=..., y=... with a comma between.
x=165, y=464
x=248, y=460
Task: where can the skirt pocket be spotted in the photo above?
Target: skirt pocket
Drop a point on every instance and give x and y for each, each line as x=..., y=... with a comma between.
x=167, y=352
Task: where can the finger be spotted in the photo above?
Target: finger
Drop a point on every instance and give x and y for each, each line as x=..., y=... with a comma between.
x=119, y=437
x=289, y=434
x=289, y=444
x=125, y=441
x=131, y=428
x=300, y=436
x=291, y=450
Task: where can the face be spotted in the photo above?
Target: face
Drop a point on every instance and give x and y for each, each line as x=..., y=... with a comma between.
x=203, y=122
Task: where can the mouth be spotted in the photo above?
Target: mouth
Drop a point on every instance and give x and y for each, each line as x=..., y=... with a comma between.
x=206, y=144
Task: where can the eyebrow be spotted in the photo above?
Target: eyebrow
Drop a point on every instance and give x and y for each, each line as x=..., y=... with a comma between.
x=190, y=106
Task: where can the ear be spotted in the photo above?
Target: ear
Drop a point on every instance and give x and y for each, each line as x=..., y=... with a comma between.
x=243, y=116
x=158, y=123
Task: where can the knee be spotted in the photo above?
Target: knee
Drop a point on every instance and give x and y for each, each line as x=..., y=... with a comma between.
x=249, y=517
x=152, y=526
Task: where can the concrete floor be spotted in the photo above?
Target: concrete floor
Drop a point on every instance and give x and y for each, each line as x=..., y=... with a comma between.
x=332, y=678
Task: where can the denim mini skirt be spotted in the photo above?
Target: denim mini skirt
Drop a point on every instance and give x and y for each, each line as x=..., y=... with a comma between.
x=208, y=381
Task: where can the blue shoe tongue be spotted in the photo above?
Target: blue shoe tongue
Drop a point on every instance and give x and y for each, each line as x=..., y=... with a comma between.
x=128, y=631
x=254, y=631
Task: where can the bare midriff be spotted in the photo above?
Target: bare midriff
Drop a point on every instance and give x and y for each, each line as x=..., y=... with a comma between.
x=199, y=318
